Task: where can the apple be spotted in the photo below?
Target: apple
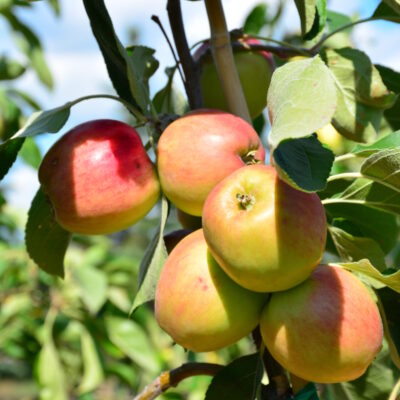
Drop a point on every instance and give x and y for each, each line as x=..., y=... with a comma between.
x=198, y=305
x=99, y=178
x=254, y=68
x=198, y=150
x=188, y=221
x=332, y=138
x=326, y=330
x=266, y=235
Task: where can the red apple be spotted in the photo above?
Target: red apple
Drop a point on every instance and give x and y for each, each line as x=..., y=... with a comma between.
x=266, y=235
x=198, y=150
x=198, y=304
x=254, y=69
x=99, y=178
x=327, y=330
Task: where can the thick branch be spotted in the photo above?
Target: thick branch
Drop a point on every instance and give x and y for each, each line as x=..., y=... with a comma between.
x=190, y=68
x=172, y=378
x=223, y=57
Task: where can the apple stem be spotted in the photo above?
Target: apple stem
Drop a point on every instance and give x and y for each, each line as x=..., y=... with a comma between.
x=223, y=58
x=246, y=201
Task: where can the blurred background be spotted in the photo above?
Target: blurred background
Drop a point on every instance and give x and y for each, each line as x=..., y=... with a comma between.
x=72, y=339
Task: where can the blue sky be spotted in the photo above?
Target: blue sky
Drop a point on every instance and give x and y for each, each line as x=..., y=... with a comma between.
x=78, y=68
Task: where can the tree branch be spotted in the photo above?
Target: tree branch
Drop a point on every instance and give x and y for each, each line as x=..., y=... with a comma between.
x=224, y=62
x=172, y=378
x=190, y=68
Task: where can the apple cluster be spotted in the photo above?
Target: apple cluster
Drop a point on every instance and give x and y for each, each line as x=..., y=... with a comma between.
x=255, y=259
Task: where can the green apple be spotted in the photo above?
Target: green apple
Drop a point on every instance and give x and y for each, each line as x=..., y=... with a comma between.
x=254, y=68
x=266, y=235
x=198, y=305
x=198, y=150
x=99, y=178
x=327, y=329
x=188, y=221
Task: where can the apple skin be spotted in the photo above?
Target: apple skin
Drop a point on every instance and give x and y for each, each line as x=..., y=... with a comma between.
x=254, y=68
x=99, y=178
x=272, y=245
x=188, y=221
x=198, y=305
x=198, y=150
x=326, y=330
x=332, y=138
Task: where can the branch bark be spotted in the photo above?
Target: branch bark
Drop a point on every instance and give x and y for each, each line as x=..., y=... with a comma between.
x=191, y=69
x=172, y=378
x=223, y=57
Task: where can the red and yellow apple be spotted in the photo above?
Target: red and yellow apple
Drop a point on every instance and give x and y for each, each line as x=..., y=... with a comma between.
x=173, y=238
x=254, y=68
x=266, y=235
x=99, y=178
x=327, y=329
x=198, y=305
x=198, y=150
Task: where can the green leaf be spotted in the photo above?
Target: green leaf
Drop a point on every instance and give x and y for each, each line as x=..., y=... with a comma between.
x=307, y=10
x=170, y=100
x=92, y=285
x=374, y=223
x=336, y=20
x=376, y=384
x=49, y=371
x=353, y=248
x=391, y=79
x=30, y=44
x=305, y=161
x=375, y=277
x=362, y=95
x=389, y=305
x=384, y=11
x=117, y=63
x=309, y=392
x=392, y=140
x=10, y=115
x=256, y=19
x=152, y=262
x=30, y=153
x=301, y=99
x=45, y=240
x=92, y=368
x=10, y=69
x=50, y=121
x=130, y=337
x=319, y=20
x=8, y=154
x=238, y=380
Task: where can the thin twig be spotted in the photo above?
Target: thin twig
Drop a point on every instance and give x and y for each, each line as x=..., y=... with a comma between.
x=177, y=63
x=172, y=378
x=190, y=68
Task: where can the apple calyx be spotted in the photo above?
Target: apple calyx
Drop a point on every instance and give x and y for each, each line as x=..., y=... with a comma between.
x=246, y=201
x=250, y=158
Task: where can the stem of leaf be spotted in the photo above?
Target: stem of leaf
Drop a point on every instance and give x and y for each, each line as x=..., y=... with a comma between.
x=344, y=157
x=395, y=391
x=223, y=58
x=139, y=116
x=317, y=46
